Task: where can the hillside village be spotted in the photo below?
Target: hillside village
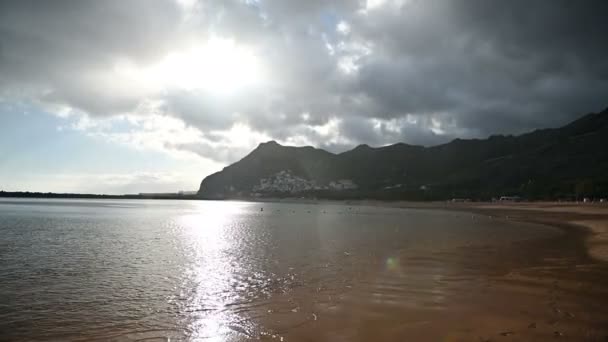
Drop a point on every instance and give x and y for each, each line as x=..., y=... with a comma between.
x=286, y=182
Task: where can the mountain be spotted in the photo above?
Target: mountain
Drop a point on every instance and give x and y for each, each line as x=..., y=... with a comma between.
x=563, y=162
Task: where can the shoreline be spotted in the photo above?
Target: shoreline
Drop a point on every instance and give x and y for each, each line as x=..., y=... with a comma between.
x=585, y=221
x=366, y=287
x=588, y=222
x=536, y=289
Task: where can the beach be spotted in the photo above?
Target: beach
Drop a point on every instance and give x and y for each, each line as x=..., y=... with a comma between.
x=583, y=280
x=124, y=270
x=531, y=291
x=590, y=218
x=587, y=220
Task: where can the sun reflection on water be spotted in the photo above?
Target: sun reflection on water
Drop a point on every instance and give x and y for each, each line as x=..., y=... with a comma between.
x=211, y=236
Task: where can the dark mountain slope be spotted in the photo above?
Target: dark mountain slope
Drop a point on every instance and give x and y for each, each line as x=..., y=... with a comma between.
x=546, y=163
x=267, y=159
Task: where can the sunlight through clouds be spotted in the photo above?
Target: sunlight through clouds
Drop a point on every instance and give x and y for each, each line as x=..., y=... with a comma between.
x=209, y=80
x=220, y=67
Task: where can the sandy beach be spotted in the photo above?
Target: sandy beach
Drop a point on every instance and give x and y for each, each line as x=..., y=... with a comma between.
x=542, y=290
x=590, y=219
x=583, y=222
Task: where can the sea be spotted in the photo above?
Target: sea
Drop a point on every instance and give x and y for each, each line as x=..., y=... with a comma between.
x=162, y=270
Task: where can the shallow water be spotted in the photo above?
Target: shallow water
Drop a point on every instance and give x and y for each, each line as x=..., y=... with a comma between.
x=224, y=271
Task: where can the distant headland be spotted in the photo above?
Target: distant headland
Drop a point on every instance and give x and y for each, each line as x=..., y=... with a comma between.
x=28, y=194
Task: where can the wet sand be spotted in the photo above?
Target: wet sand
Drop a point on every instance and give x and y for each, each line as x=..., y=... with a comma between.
x=592, y=217
x=541, y=290
x=565, y=298
x=588, y=221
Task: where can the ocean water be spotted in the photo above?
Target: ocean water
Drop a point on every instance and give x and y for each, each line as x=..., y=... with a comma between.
x=229, y=271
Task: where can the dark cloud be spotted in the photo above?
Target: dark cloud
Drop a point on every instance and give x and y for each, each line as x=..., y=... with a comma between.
x=494, y=67
x=63, y=51
x=422, y=72
x=87, y=31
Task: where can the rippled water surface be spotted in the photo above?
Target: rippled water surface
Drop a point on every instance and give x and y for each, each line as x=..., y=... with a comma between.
x=223, y=271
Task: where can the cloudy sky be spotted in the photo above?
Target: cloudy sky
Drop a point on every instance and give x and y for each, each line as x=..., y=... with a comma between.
x=120, y=96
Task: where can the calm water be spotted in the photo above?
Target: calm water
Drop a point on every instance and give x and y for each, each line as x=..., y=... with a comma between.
x=180, y=270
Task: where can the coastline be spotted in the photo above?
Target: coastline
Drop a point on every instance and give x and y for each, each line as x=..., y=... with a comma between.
x=587, y=221
x=538, y=289
x=591, y=219
x=523, y=289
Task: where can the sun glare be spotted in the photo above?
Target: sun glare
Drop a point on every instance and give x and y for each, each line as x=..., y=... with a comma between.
x=220, y=66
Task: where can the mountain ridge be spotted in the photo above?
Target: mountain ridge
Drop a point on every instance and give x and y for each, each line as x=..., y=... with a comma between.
x=546, y=163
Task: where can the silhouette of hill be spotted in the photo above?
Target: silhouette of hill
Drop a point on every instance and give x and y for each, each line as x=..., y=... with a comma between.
x=563, y=162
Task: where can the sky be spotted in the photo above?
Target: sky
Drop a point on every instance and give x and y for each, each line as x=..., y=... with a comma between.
x=134, y=96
